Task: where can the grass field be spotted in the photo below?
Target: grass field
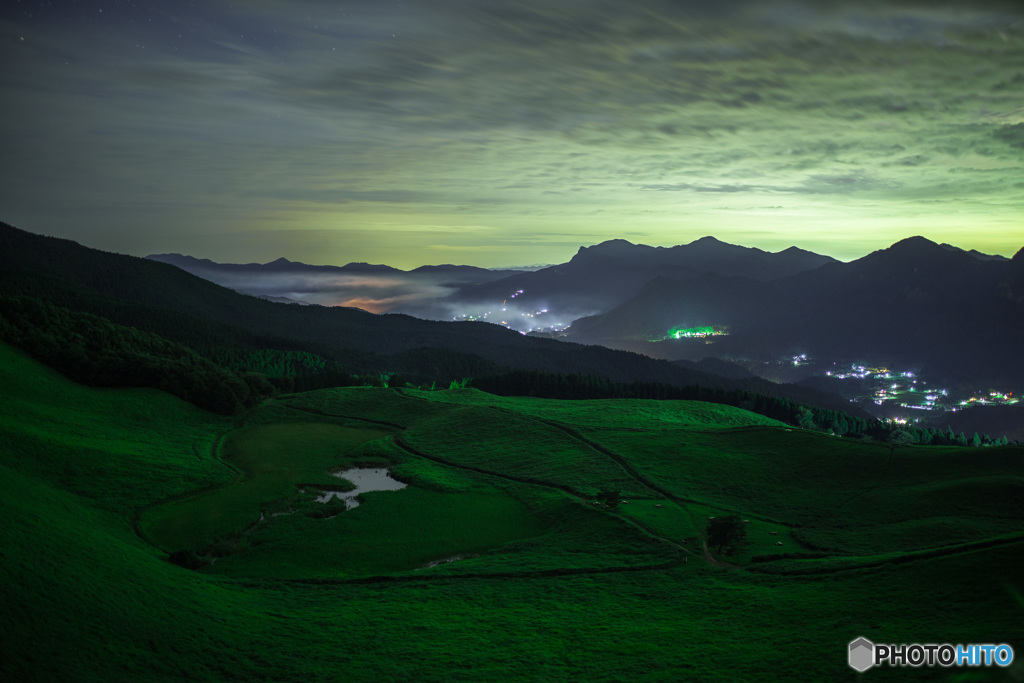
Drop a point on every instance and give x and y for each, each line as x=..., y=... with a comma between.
x=272, y=462
x=97, y=486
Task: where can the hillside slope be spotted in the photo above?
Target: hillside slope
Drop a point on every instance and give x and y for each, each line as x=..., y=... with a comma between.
x=164, y=300
x=85, y=598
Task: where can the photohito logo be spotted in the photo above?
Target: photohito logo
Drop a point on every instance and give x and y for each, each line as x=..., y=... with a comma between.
x=863, y=654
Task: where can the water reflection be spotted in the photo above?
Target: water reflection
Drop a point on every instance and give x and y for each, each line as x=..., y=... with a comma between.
x=365, y=479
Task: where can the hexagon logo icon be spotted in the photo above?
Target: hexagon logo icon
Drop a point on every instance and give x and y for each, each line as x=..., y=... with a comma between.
x=862, y=654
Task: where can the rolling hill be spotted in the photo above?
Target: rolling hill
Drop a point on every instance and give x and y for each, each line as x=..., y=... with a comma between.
x=495, y=560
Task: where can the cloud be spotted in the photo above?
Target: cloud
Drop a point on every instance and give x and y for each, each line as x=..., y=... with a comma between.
x=1012, y=135
x=854, y=181
x=531, y=118
x=377, y=293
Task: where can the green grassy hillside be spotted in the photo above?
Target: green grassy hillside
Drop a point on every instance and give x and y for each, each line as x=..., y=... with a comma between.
x=99, y=486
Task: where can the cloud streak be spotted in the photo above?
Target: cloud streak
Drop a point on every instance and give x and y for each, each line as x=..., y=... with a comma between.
x=504, y=131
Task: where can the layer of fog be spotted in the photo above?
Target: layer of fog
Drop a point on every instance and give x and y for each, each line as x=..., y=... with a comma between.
x=432, y=296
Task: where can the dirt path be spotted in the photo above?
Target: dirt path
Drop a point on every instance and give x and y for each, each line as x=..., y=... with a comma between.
x=660, y=491
x=578, y=495
x=215, y=455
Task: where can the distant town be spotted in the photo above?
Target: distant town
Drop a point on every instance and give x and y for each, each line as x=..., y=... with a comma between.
x=694, y=332
x=514, y=317
x=907, y=390
x=893, y=394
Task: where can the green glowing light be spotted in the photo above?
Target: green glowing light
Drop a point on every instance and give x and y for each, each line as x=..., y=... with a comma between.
x=686, y=332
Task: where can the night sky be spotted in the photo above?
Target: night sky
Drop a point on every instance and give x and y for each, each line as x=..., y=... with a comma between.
x=510, y=133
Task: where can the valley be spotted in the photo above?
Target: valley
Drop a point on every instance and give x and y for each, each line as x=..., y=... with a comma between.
x=844, y=539
x=546, y=341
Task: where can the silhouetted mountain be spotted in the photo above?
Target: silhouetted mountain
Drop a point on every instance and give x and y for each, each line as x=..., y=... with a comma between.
x=281, y=265
x=469, y=273
x=209, y=269
x=281, y=299
x=164, y=300
x=377, y=288
x=705, y=255
x=722, y=368
x=663, y=303
x=917, y=302
x=975, y=253
x=601, y=277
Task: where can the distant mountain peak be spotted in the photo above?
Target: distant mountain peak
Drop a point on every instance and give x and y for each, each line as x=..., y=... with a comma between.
x=916, y=247
x=714, y=245
x=615, y=245
x=916, y=241
x=364, y=267
x=280, y=262
x=181, y=260
x=974, y=252
x=616, y=248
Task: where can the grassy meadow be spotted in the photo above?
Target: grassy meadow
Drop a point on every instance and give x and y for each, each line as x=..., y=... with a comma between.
x=497, y=561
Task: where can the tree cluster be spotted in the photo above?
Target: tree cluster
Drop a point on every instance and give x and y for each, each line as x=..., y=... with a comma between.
x=95, y=351
x=725, y=530
x=588, y=386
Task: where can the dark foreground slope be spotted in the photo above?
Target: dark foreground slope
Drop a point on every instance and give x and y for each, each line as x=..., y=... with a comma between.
x=921, y=548
x=161, y=299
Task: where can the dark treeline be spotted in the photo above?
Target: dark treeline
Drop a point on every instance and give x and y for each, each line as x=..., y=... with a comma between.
x=94, y=351
x=113, y=320
x=582, y=387
x=163, y=300
x=289, y=370
x=553, y=385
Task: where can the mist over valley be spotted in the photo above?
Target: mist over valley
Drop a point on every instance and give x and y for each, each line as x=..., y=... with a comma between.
x=950, y=315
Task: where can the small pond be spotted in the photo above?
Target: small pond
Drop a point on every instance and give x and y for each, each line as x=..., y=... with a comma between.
x=365, y=479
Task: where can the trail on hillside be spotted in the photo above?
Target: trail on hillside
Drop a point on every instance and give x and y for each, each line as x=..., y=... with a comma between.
x=911, y=556
x=314, y=411
x=215, y=455
x=621, y=462
x=627, y=468
x=578, y=495
x=684, y=552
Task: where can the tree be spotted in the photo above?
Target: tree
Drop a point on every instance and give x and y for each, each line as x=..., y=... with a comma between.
x=805, y=420
x=725, y=530
x=397, y=381
x=186, y=558
x=610, y=497
x=899, y=437
x=840, y=426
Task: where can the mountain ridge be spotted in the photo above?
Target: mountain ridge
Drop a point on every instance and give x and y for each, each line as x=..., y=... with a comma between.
x=916, y=301
x=165, y=300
